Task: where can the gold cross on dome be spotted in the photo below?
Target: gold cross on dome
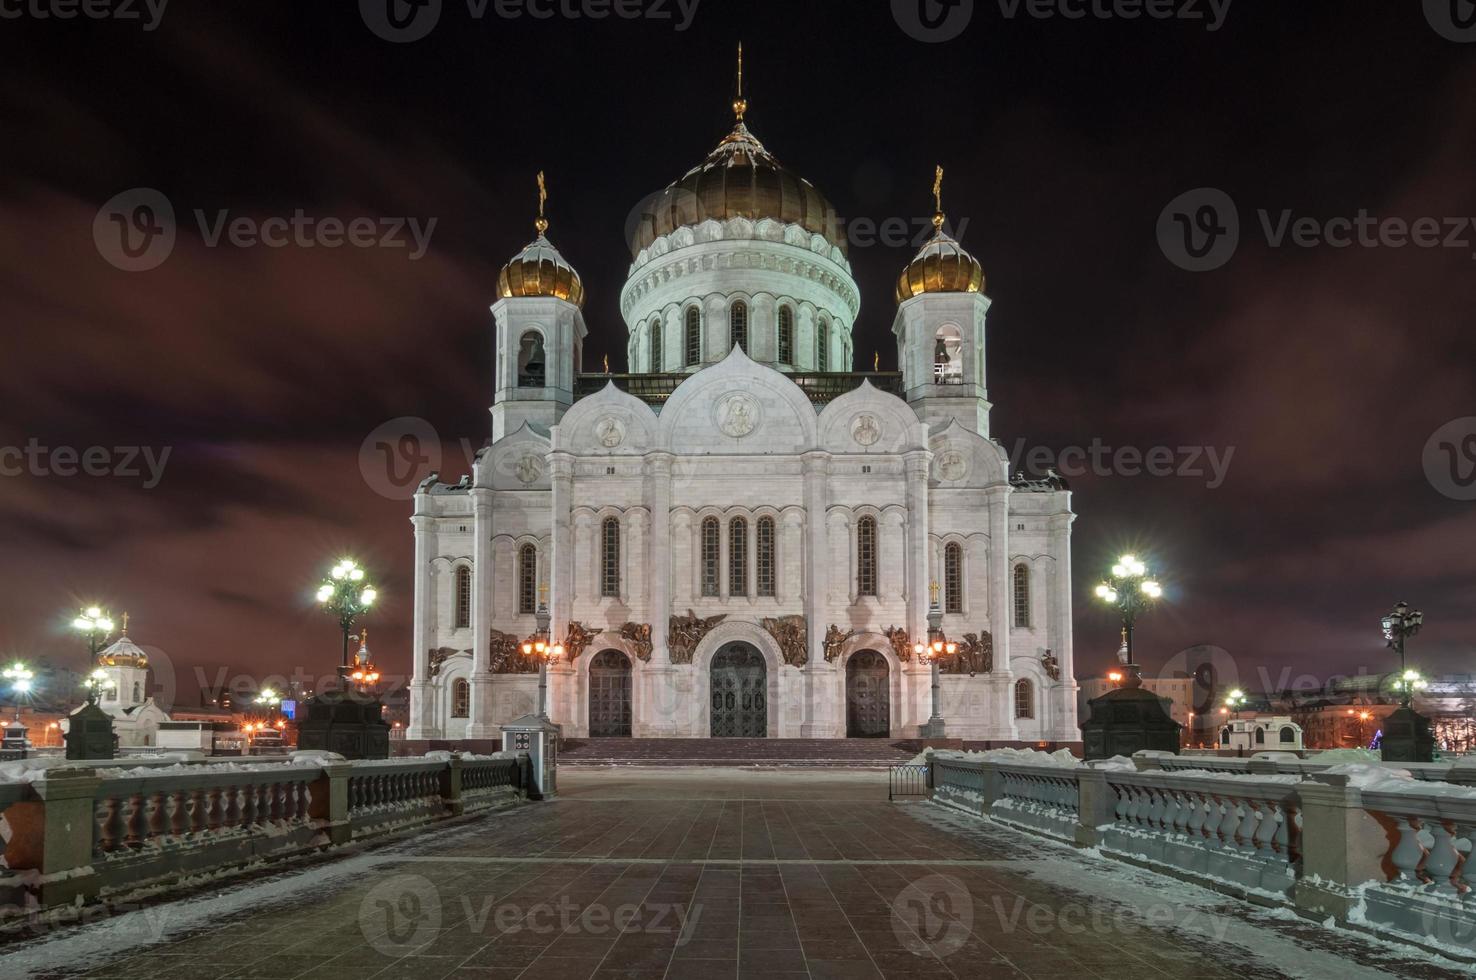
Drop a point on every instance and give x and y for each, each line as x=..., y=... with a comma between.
x=938, y=198
x=542, y=223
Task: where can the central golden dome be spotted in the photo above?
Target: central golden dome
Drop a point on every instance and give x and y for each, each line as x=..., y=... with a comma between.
x=739, y=179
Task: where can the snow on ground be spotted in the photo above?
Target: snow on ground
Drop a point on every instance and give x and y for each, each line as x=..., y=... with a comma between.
x=1119, y=900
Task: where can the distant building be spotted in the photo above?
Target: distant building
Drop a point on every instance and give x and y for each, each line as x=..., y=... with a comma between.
x=1177, y=691
x=136, y=718
x=1261, y=734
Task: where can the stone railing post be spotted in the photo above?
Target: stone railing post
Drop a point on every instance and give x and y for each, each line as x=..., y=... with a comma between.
x=329, y=796
x=52, y=835
x=1462, y=772
x=1149, y=759
x=451, y=786
x=1262, y=767
x=993, y=784
x=1343, y=846
x=1096, y=806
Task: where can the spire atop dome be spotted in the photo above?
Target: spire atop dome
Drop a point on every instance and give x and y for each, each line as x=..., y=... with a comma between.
x=938, y=199
x=740, y=104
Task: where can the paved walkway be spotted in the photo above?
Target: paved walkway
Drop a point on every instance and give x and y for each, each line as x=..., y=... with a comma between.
x=858, y=753
x=711, y=874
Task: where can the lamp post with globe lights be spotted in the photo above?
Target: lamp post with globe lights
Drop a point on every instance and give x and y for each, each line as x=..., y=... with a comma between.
x=346, y=594
x=96, y=683
x=19, y=676
x=937, y=647
x=1234, y=701
x=1131, y=591
x=1407, y=734
x=96, y=625
x=1129, y=718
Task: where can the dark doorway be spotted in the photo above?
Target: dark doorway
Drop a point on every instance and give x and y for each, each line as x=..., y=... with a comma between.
x=609, y=695
x=868, y=698
x=740, y=693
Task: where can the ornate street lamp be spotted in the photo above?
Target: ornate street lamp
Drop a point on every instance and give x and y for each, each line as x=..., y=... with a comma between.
x=1131, y=591
x=1234, y=701
x=346, y=594
x=541, y=646
x=96, y=625
x=19, y=676
x=1407, y=684
x=1399, y=626
x=269, y=699
x=96, y=683
x=937, y=647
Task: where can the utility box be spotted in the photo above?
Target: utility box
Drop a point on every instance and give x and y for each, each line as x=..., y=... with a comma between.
x=538, y=737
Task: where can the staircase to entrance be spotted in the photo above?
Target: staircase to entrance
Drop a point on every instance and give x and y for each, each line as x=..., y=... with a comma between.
x=856, y=753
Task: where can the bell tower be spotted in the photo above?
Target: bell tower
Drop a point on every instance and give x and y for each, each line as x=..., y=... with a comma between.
x=941, y=314
x=540, y=333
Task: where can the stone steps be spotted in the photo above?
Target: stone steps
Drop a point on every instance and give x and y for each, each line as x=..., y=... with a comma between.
x=754, y=752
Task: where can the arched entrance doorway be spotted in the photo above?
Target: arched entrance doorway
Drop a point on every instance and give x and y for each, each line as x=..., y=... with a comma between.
x=609, y=695
x=740, y=693
x=868, y=696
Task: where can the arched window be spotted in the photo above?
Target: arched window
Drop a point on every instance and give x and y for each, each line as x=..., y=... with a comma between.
x=786, y=335
x=460, y=698
x=738, y=557
x=738, y=326
x=527, y=579
x=1224, y=736
x=1022, y=596
x=1260, y=736
x=822, y=345
x=530, y=360
x=463, y=597
x=1024, y=699
x=1288, y=734
x=656, y=352
x=692, y=339
x=710, y=532
x=953, y=578
x=610, y=557
x=866, y=556
x=765, y=556
x=948, y=356
x=137, y=692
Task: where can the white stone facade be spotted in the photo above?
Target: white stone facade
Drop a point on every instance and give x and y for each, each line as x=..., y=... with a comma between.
x=799, y=515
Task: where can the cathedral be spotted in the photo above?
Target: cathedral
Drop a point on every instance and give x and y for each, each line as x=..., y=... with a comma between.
x=743, y=536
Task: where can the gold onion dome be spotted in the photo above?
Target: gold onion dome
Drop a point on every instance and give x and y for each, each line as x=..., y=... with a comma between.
x=739, y=179
x=123, y=652
x=943, y=265
x=539, y=269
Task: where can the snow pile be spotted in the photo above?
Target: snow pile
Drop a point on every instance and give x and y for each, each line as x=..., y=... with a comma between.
x=1059, y=759
x=317, y=757
x=1339, y=756
x=26, y=770
x=1118, y=763
x=1363, y=775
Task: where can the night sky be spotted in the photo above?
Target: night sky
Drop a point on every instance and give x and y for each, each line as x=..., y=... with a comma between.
x=1325, y=372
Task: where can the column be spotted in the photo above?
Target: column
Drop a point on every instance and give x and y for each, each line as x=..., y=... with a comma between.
x=658, y=499
x=918, y=463
x=1061, y=645
x=483, y=574
x=422, y=722
x=1002, y=722
x=818, y=721
x=561, y=562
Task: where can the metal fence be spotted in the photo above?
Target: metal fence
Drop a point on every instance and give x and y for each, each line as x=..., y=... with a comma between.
x=907, y=780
